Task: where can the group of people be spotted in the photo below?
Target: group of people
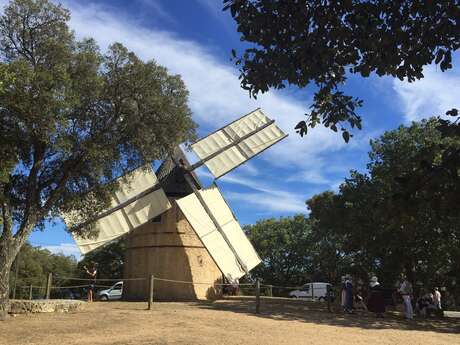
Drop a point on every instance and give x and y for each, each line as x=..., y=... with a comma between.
x=426, y=304
x=429, y=302
x=375, y=297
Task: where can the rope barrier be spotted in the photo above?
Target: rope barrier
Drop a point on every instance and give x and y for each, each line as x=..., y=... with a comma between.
x=104, y=279
x=68, y=287
x=33, y=287
x=283, y=287
x=197, y=283
x=63, y=287
x=155, y=278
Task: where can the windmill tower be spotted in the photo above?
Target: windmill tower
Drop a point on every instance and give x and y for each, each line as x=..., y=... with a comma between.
x=174, y=227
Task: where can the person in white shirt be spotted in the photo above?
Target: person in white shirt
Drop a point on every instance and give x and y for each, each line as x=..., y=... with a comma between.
x=406, y=292
x=437, y=298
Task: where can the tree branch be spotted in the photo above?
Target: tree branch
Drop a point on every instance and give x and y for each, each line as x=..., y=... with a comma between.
x=7, y=223
x=32, y=206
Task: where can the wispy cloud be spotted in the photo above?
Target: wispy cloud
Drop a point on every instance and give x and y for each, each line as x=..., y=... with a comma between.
x=285, y=202
x=433, y=95
x=64, y=248
x=158, y=10
x=267, y=196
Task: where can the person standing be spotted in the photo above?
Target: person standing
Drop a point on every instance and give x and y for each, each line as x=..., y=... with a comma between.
x=343, y=294
x=92, y=272
x=437, y=298
x=406, y=292
x=349, y=294
x=376, y=301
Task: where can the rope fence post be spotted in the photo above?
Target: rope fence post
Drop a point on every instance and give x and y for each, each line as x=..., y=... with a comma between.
x=312, y=292
x=328, y=296
x=48, y=285
x=270, y=291
x=151, y=285
x=257, y=296
x=30, y=291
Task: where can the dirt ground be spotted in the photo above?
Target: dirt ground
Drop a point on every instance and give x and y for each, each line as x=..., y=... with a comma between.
x=230, y=321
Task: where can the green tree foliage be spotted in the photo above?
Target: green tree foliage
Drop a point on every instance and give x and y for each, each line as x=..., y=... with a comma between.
x=395, y=219
x=34, y=264
x=283, y=246
x=109, y=260
x=72, y=119
x=329, y=260
x=322, y=42
x=400, y=216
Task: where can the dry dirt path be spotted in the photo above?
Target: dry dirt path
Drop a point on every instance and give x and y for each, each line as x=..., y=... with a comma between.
x=223, y=322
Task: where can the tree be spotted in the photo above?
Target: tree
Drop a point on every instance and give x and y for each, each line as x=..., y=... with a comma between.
x=330, y=261
x=71, y=120
x=397, y=217
x=34, y=264
x=322, y=42
x=283, y=246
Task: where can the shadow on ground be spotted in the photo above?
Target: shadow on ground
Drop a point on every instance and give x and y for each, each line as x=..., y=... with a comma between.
x=311, y=312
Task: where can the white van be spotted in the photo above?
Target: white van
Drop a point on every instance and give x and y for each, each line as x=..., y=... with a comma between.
x=312, y=291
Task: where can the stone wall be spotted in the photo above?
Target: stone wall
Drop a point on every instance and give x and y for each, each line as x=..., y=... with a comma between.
x=18, y=306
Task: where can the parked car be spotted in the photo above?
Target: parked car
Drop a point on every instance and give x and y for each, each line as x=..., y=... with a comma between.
x=313, y=291
x=112, y=293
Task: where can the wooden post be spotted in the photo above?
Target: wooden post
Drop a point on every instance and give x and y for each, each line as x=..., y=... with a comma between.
x=257, y=296
x=151, y=284
x=48, y=285
x=312, y=292
x=30, y=291
x=328, y=296
x=270, y=291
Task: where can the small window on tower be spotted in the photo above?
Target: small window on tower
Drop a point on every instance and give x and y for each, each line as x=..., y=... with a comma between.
x=157, y=219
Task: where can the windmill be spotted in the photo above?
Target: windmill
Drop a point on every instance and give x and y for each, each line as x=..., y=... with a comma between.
x=175, y=228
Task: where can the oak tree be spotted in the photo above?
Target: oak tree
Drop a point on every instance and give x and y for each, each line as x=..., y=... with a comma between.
x=71, y=120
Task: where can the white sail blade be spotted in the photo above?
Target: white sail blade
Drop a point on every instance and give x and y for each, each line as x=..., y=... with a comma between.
x=129, y=217
x=239, y=141
x=212, y=239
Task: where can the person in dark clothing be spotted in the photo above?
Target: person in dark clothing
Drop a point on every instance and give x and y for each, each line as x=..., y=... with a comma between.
x=92, y=272
x=360, y=297
x=376, y=302
x=349, y=294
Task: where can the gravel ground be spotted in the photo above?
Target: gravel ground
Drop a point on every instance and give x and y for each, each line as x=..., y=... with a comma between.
x=230, y=321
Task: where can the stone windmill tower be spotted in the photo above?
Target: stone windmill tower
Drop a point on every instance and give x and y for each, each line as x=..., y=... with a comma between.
x=178, y=230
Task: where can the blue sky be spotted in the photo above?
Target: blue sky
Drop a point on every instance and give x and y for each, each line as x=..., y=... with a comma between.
x=194, y=39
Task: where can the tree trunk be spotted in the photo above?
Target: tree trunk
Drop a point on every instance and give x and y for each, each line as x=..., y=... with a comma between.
x=5, y=266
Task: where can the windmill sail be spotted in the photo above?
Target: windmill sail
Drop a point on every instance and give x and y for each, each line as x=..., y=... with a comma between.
x=134, y=204
x=232, y=145
x=227, y=253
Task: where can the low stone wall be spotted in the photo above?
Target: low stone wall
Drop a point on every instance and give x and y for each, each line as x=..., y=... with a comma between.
x=19, y=306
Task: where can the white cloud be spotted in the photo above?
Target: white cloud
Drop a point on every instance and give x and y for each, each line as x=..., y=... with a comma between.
x=158, y=10
x=433, y=95
x=285, y=202
x=267, y=196
x=64, y=248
